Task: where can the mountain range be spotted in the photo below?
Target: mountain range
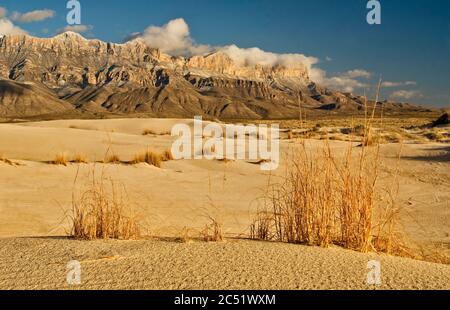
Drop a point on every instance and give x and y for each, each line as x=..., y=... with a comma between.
x=71, y=75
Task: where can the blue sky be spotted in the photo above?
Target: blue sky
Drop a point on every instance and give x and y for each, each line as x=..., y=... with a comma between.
x=411, y=48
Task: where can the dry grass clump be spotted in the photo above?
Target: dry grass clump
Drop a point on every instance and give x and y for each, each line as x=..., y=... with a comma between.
x=393, y=137
x=213, y=232
x=149, y=132
x=167, y=155
x=434, y=135
x=372, y=139
x=185, y=235
x=79, y=158
x=324, y=200
x=5, y=160
x=153, y=158
x=102, y=211
x=148, y=157
x=112, y=159
x=60, y=159
x=262, y=227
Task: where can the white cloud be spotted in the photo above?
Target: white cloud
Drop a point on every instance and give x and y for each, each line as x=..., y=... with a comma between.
x=388, y=84
x=357, y=73
x=406, y=94
x=174, y=38
x=33, y=16
x=8, y=28
x=347, y=81
x=76, y=28
x=408, y=83
x=255, y=56
x=2, y=12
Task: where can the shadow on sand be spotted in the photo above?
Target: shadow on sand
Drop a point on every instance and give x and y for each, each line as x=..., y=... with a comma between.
x=439, y=154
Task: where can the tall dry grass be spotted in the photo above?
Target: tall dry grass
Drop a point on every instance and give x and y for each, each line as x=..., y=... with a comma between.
x=5, y=160
x=148, y=157
x=102, y=211
x=213, y=232
x=60, y=159
x=326, y=199
x=167, y=155
x=112, y=159
x=322, y=200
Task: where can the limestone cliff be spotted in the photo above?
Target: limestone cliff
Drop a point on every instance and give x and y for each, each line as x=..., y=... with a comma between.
x=90, y=76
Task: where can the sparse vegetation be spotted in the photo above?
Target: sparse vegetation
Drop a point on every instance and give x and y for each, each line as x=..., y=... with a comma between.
x=79, y=158
x=167, y=155
x=102, y=211
x=112, y=159
x=213, y=232
x=434, y=135
x=185, y=235
x=5, y=160
x=148, y=157
x=323, y=200
x=149, y=132
x=60, y=159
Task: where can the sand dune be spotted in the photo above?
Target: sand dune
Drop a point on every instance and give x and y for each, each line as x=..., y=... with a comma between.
x=35, y=197
x=41, y=264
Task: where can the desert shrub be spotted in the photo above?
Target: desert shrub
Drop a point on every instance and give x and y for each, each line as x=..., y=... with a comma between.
x=323, y=200
x=102, y=211
x=434, y=136
x=5, y=160
x=60, y=159
x=393, y=137
x=80, y=158
x=213, y=232
x=167, y=155
x=148, y=157
x=148, y=132
x=112, y=159
x=346, y=131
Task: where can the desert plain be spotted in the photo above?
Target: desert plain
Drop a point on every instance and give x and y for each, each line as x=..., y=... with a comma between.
x=177, y=200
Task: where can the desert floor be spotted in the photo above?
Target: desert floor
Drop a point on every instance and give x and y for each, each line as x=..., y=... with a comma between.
x=35, y=198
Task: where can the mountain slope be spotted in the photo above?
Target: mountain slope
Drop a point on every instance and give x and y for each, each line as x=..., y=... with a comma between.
x=25, y=99
x=99, y=77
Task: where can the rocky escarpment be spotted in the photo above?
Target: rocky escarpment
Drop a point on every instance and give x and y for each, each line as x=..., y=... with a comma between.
x=220, y=63
x=71, y=72
x=69, y=59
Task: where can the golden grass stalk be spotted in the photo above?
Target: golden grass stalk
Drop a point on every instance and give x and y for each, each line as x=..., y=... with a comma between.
x=5, y=160
x=60, y=159
x=148, y=157
x=213, y=232
x=323, y=200
x=148, y=132
x=167, y=155
x=80, y=158
x=112, y=159
x=102, y=211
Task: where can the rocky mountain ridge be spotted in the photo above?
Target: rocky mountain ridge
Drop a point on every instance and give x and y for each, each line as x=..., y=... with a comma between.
x=92, y=76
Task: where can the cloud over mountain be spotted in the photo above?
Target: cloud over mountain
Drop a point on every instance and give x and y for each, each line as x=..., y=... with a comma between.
x=406, y=94
x=33, y=16
x=7, y=27
x=174, y=38
x=76, y=28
